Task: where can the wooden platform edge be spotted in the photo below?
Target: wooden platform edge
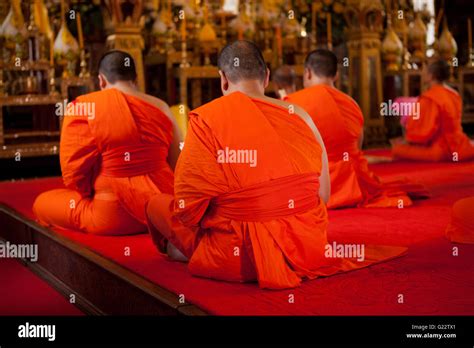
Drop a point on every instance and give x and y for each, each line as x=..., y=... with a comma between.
x=70, y=268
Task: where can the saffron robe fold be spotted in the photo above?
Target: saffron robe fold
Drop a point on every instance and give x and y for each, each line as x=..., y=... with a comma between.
x=112, y=162
x=239, y=222
x=340, y=122
x=437, y=134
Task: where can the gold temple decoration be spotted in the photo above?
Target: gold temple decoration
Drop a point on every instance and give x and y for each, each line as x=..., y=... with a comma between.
x=392, y=49
x=159, y=31
x=207, y=38
x=329, y=30
x=447, y=47
x=13, y=32
x=127, y=35
x=417, y=40
x=66, y=48
x=364, y=18
x=42, y=19
x=184, y=50
x=438, y=20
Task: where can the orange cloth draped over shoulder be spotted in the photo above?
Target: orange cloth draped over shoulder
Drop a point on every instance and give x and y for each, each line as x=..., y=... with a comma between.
x=113, y=153
x=340, y=122
x=436, y=135
x=461, y=226
x=241, y=220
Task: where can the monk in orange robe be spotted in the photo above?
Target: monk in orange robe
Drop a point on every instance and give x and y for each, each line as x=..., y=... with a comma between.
x=340, y=121
x=436, y=133
x=250, y=187
x=118, y=148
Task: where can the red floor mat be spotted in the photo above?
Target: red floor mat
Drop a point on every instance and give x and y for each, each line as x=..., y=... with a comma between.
x=23, y=293
x=429, y=280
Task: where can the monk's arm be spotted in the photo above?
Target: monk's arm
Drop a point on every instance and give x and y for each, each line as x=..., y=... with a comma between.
x=78, y=155
x=174, y=149
x=198, y=175
x=324, y=179
x=422, y=130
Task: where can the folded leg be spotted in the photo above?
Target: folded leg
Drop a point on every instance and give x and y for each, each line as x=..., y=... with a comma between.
x=67, y=209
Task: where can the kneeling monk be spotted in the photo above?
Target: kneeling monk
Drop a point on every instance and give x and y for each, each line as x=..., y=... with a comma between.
x=118, y=148
x=436, y=134
x=340, y=121
x=250, y=187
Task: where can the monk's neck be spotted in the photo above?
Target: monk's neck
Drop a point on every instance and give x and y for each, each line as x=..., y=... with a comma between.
x=250, y=88
x=437, y=84
x=125, y=87
x=322, y=82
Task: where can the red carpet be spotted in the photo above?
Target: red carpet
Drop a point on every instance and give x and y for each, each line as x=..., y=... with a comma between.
x=23, y=293
x=429, y=278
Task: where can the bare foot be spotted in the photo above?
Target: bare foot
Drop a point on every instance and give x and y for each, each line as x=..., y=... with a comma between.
x=175, y=254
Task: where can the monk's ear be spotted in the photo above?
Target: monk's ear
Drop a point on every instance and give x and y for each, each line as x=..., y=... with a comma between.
x=336, y=77
x=267, y=78
x=224, y=82
x=102, y=81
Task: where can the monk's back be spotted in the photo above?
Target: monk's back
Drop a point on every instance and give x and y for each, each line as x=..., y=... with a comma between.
x=282, y=142
x=449, y=105
x=336, y=115
x=248, y=175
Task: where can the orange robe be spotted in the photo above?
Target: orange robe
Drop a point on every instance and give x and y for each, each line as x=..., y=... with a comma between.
x=239, y=222
x=112, y=162
x=437, y=134
x=340, y=122
x=461, y=226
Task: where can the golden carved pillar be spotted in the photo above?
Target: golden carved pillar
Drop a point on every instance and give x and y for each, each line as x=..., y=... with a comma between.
x=127, y=24
x=364, y=18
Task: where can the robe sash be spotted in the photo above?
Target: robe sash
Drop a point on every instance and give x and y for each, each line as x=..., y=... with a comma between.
x=270, y=200
x=126, y=161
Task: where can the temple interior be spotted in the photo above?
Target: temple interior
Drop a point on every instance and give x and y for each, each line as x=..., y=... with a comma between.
x=50, y=53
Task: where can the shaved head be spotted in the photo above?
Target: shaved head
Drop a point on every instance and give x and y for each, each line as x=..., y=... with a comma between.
x=439, y=70
x=117, y=66
x=242, y=60
x=322, y=62
x=284, y=76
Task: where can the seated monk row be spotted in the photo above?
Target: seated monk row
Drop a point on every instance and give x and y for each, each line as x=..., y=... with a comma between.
x=340, y=121
x=436, y=135
x=251, y=184
x=241, y=220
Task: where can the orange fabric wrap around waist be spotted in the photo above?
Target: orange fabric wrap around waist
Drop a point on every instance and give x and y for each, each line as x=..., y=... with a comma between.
x=270, y=200
x=134, y=160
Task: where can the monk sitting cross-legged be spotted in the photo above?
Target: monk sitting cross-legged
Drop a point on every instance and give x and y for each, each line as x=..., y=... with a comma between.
x=118, y=148
x=250, y=187
x=340, y=121
x=436, y=134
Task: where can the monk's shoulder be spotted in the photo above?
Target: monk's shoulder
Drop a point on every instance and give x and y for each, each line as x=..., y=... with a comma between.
x=293, y=109
x=344, y=97
x=157, y=102
x=298, y=96
x=92, y=97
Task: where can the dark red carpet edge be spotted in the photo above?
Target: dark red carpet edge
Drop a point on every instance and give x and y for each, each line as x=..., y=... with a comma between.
x=23, y=293
x=429, y=280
